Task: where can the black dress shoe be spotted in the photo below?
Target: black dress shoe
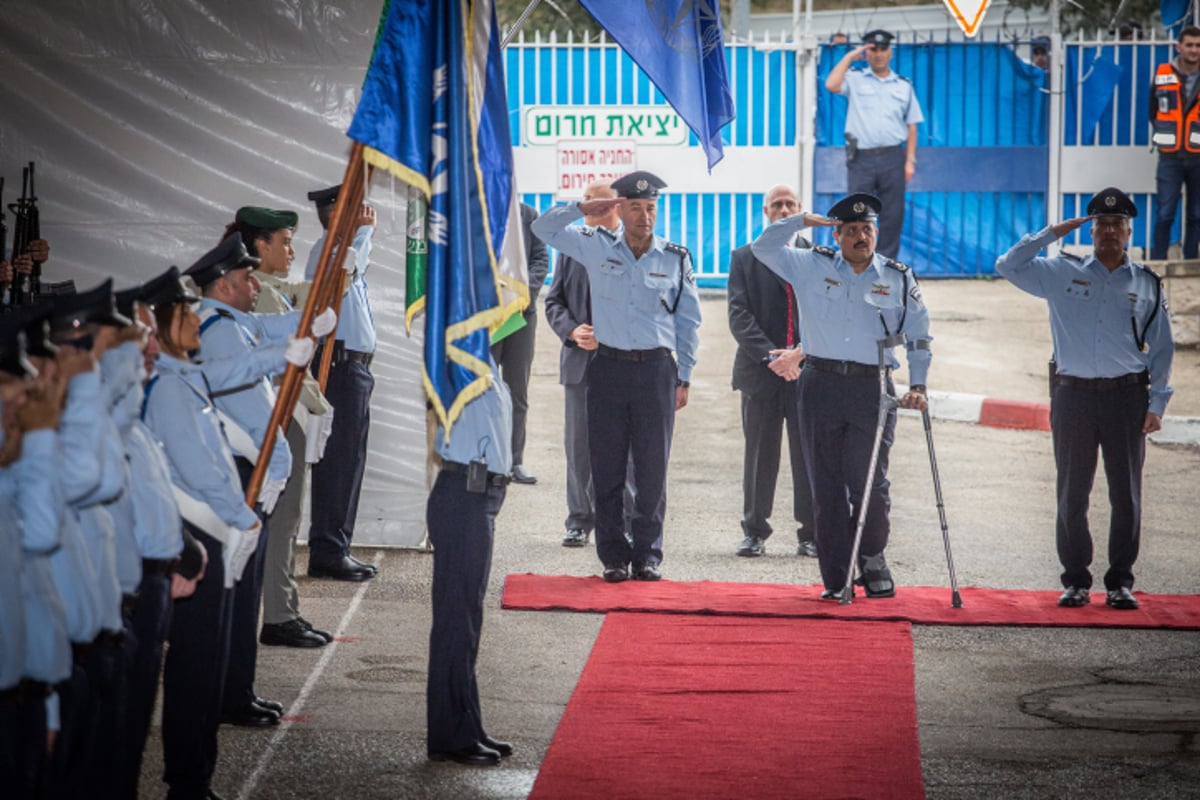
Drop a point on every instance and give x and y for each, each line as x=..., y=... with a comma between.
x=250, y=716
x=1075, y=597
x=342, y=569
x=807, y=549
x=308, y=626
x=1121, y=599
x=269, y=705
x=505, y=749
x=752, y=547
x=615, y=574
x=875, y=577
x=646, y=572
x=289, y=634
x=475, y=755
x=575, y=538
x=364, y=564
x=519, y=475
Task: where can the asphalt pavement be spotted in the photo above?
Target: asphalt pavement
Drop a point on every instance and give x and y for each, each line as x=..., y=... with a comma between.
x=1003, y=712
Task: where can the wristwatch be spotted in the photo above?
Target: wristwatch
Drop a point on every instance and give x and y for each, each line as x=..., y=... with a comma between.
x=684, y=384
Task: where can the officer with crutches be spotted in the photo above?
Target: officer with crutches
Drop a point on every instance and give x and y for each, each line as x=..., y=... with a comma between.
x=850, y=299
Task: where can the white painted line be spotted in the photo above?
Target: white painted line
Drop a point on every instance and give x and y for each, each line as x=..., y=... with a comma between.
x=255, y=776
x=1178, y=430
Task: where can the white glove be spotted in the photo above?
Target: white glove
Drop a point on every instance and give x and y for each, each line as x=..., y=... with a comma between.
x=237, y=551
x=268, y=496
x=325, y=322
x=316, y=433
x=299, y=351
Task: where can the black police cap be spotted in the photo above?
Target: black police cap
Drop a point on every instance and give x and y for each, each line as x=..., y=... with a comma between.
x=857, y=207
x=1112, y=202
x=325, y=197
x=167, y=289
x=35, y=322
x=640, y=185
x=12, y=349
x=99, y=305
x=126, y=298
x=878, y=38
x=229, y=255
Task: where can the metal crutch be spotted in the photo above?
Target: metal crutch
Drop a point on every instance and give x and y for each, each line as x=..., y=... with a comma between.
x=887, y=402
x=955, y=598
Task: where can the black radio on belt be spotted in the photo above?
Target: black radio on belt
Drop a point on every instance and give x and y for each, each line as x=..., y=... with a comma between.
x=477, y=475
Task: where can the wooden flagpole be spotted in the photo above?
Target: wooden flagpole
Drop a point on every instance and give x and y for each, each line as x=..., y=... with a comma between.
x=329, y=273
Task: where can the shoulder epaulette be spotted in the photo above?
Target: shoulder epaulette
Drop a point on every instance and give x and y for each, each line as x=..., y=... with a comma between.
x=612, y=237
x=217, y=314
x=823, y=250
x=901, y=77
x=1072, y=256
x=587, y=230
x=1152, y=273
x=898, y=266
x=677, y=249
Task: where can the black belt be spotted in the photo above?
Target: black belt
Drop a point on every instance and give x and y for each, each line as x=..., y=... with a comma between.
x=80, y=650
x=1104, y=384
x=871, y=150
x=851, y=369
x=26, y=691
x=652, y=354
x=340, y=354
x=158, y=566
x=494, y=478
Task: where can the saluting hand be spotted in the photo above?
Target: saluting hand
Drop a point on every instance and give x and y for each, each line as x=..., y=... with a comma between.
x=857, y=53
x=818, y=221
x=1063, y=228
x=596, y=208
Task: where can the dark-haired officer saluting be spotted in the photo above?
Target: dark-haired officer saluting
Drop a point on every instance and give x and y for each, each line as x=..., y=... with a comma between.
x=1112, y=340
x=644, y=306
x=849, y=299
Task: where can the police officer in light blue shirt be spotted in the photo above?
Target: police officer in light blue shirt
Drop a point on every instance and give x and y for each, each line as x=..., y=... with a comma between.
x=1113, y=349
x=644, y=307
x=337, y=477
x=882, y=115
x=849, y=299
x=460, y=517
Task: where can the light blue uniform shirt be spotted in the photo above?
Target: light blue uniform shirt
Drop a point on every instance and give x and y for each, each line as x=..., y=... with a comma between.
x=356, y=325
x=80, y=459
x=31, y=487
x=880, y=109
x=122, y=369
x=157, y=526
x=628, y=293
x=236, y=336
x=843, y=315
x=1093, y=313
x=483, y=430
x=179, y=413
x=12, y=605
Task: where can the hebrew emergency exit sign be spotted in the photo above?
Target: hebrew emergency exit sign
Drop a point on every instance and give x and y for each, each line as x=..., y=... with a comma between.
x=968, y=14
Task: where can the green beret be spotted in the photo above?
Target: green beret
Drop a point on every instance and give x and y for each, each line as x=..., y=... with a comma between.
x=267, y=218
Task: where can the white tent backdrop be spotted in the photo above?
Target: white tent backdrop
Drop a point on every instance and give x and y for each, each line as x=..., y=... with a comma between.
x=152, y=121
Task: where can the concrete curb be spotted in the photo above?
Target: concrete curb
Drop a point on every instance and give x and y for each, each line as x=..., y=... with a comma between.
x=978, y=409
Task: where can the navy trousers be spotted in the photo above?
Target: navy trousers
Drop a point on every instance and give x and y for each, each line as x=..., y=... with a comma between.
x=514, y=355
x=881, y=173
x=149, y=623
x=461, y=526
x=337, y=478
x=631, y=411
x=247, y=601
x=838, y=417
x=194, y=678
x=1082, y=422
x=23, y=740
x=765, y=416
x=1171, y=175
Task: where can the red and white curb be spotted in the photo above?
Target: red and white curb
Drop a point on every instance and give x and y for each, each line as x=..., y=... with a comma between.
x=979, y=409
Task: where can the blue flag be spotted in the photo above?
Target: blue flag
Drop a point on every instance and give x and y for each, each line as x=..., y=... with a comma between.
x=434, y=113
x=680, y=47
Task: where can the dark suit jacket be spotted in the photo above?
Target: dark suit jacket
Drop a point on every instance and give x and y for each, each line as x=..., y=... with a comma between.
x=537, y=256
x=757, y=319
x=569, y=305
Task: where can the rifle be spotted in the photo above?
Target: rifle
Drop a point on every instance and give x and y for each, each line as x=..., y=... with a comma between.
x=20, y=240
x=34, y=286
x=6, y=291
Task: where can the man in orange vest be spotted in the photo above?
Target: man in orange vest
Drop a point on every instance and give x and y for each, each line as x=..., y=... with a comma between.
x=1175, y=117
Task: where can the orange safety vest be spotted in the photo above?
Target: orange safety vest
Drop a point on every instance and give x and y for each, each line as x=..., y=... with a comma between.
x=1176, y=128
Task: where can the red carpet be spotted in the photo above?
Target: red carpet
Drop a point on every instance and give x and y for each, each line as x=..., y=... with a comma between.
x=917, y=604
x=711, y=707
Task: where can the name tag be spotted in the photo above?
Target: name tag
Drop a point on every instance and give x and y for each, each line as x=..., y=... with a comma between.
x=832, y=282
